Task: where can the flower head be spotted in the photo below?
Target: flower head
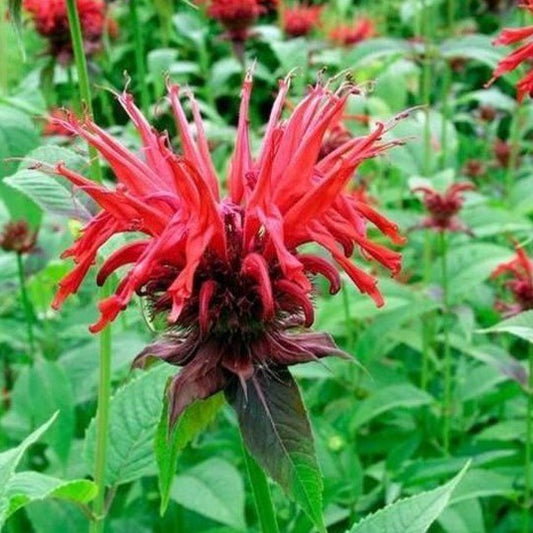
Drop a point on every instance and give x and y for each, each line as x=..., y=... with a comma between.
x=17, y=237
x=474, y=168
x=520, y=284
x=502, y=152
x=300, y=19
x=350, y=34
x=443, y=207
x=229, y=272
x=51, y=21
x=236, y=15
x=522, y=55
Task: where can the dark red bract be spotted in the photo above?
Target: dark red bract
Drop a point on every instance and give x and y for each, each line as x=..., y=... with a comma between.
x=520, y=284
x=228, y=272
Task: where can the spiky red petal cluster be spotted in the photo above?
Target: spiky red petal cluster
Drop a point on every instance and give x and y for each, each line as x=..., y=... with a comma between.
x=523, y=54
x=350, y=34
x=444, y=207
x=235, y=15
x=300, y=19
x=229, y=272
x=520, y=269
x=51, y=21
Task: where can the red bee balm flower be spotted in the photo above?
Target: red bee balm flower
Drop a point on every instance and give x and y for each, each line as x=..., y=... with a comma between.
x=520, y=268
x=51, y=21
x=300, y=20
x=348, y=35
x=17, y=237
x=523, y=54
x=228, y=272
x=443, y=208
x=236, y=15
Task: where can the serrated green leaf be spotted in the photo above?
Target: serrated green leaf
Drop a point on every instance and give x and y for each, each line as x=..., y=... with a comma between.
x=46, y=381
x=17, y=138
x=387, y=398
x=410, y=515
x=167, y=447
x=134, y=414
x=474, y=47
x=277, y=433
x=9, y=461
x=26, y=487
x=51, y=194
x=15, y=8
x=520, y=325
x=373, y=49
x=214, y=489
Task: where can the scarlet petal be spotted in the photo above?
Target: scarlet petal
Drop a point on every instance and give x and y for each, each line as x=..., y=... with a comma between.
x=318, y=265
x=206, y=293
x=123, y=256
x=254, y=265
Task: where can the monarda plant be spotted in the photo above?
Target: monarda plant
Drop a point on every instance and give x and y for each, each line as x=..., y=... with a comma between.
x=222, y=260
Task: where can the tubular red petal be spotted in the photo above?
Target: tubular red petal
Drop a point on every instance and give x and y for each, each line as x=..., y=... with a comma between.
x=255, y=266
x=299, y=296
x=241, y=162
x=319, y=265
x=127, y=254
x=207, y=290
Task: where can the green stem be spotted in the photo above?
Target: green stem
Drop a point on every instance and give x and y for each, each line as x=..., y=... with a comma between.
x=139, y=56
x=263, y=502
x=425, y=319
x=447, y=360
x=450, y=14
x=348, y=319
x=3, y=46
x=515, y=149
x=528, y=489
x=426, y=86
x=446, y=115
x=28, y=314
x=102, y=422
x=83, y=77
x=104, y=383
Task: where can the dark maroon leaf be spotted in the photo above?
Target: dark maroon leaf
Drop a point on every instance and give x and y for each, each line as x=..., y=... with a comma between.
x=276, y=431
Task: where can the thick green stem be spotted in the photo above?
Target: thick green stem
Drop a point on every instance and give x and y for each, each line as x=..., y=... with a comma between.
x=263, y=501
x=139, y=56
x=528, y=456
x=28, y=313
x=104, y=384
x=446, y=352
x=83, y=77
x=102, y=421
